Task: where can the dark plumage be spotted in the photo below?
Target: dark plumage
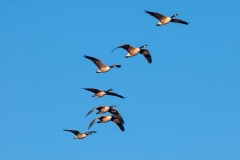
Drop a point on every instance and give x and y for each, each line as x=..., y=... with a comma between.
x=101, y=93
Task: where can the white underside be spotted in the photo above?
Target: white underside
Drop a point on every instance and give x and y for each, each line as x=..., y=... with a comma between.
x=159, y=24
x=98, y=71
x=129, y=55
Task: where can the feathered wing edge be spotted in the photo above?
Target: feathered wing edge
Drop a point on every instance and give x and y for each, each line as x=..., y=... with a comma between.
x=179, y=21
x=92, y=122
x=76, y=132
x=91, y=111
x=114, y=94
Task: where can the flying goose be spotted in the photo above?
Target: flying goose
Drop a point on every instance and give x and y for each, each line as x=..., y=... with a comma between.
x=105, y=119
x=133, y=51
x=165, y=19
x=80, y=135
x=101, y=93
x=104, y=109
x=102, y=68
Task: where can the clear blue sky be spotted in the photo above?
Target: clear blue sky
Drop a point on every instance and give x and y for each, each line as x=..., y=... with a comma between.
x=183, y=106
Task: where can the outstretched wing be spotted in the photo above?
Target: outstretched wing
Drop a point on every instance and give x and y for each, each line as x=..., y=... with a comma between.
x=178, y=21
x=116, y=65
x=92, y=122
x=114, y=94
x=156, y=15
x=119, y=116
x=96, y=61
x=92, y=111
x=146, y=54
x=119, y=123
x=90, y=132
x=92, y=90
x=113, y=111
x=127, y=47
x=76, y=132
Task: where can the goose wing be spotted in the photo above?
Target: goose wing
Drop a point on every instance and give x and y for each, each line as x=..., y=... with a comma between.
x=117, y=114
x=146, y=54
x=178, y=21
x=119, y=123
x=114, y=94
x=113, y=111
x=127, y=47
x=92, y=90
x=96, y=61
x=90, y=132
x=76, y=132
x=92, y=111
x=90, y=125
x=155, y=14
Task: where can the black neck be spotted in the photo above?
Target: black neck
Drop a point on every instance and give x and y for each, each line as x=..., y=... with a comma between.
x=174, y=15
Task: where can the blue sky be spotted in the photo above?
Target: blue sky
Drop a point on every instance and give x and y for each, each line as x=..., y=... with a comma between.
x=185, y=105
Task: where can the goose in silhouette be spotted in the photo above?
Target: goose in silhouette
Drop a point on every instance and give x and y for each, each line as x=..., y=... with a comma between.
x=101, y=93
x=102, y=68
x=165, y=19
x=133, y=51
x=105, y=119
x=80, y=135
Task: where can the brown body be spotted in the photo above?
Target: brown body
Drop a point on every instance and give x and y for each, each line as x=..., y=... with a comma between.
x=104, y=109
x=104, y=69
x=100, y=94
x=81, y=136
x=133, y=51
x=106, y=119
x=165, y=20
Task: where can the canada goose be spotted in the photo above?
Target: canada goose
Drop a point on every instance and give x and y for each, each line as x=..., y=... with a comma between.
x=80, y=135
x=105, y=119
x=165, y=19
x=133, y=51
x=101, y=93
x=104, y=109
x=101, y=66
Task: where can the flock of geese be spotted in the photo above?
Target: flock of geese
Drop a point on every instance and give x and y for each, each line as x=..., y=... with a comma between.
x=102, y=68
